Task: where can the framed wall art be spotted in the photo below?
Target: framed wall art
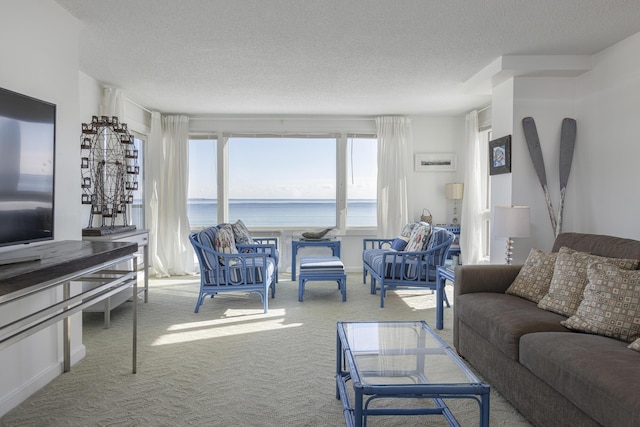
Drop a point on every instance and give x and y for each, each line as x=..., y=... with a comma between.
x=500, y=155
x=435, y=162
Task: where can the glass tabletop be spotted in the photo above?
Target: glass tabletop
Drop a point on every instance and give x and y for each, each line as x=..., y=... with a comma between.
x=397, y=353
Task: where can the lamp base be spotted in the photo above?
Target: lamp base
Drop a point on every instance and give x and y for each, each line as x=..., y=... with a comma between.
x=509, y=252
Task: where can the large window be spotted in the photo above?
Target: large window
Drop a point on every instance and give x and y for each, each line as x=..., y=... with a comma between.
x=282, y=182
x=202, y=196
x=362, y=173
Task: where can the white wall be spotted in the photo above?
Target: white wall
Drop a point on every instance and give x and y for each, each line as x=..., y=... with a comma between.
x=603, y=193
x=39, y=50
x=604, y=175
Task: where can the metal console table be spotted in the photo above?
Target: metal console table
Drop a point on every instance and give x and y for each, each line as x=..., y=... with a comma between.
x=61, y=263
x=386, y=361
x=333, y=244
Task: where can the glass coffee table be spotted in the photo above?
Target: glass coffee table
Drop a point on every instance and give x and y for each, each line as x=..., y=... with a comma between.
x=391, y=362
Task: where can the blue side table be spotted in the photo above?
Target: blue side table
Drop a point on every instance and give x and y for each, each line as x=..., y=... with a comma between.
x=447, y=272
x=334, y=245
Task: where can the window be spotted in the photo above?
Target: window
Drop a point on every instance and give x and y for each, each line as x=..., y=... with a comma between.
x=202, y=208
x=362, y=173
x=282, y=181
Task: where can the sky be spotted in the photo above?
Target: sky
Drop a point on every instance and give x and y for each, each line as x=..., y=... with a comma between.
x=277, y=168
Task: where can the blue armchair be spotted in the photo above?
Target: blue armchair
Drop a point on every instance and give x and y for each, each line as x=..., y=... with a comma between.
x=241, y=268
x=391, y=269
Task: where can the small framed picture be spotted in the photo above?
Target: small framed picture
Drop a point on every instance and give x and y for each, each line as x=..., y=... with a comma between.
x=435, y=162
x=500, y=155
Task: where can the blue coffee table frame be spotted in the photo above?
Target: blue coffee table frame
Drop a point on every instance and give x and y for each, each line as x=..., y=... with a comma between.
x=356, y=414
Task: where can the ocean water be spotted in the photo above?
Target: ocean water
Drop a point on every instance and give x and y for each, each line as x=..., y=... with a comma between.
x=282, y=212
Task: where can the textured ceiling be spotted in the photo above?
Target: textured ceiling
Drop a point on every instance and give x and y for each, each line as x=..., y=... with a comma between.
x=335, y=57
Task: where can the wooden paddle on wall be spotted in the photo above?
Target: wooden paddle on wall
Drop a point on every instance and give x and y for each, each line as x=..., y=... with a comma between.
x=533, y=143
x=567, y=144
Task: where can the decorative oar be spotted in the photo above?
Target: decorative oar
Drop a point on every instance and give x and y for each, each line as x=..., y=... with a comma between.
x=533, y=143
x=567, y=144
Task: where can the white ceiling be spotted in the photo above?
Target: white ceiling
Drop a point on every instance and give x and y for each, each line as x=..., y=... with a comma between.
x=334, y=57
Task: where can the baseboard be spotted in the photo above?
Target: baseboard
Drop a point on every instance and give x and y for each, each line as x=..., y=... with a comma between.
x=21, y=394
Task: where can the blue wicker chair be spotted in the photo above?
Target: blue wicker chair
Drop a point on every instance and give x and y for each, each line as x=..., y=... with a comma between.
x=253, y=269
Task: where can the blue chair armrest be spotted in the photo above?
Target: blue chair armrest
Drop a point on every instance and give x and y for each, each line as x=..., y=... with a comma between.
x=376, y=243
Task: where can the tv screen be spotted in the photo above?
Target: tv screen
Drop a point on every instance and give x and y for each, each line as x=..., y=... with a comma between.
x=27, y=152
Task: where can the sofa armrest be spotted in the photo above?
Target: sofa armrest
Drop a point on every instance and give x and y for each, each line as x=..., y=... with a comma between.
x=484, y=278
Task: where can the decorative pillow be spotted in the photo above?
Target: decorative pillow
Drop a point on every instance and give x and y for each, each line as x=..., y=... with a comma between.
x=419, y=238
x=241, y=233
x=533, y=280
x=611, y=303
x=635, y=345
x=399, y=243
x=225, y=241
x=407, y=229
x=570, y=278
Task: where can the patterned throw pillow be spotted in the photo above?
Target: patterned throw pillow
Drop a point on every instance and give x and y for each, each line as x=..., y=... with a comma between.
x=225, y=241
x=635, y=345
x=534, y=278
x=611, y=303
x=241, y=233
x=419, y=237
x=407, y=229
x=570, y=278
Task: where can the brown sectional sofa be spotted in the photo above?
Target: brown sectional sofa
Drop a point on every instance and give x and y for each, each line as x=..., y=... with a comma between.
x=554, y=376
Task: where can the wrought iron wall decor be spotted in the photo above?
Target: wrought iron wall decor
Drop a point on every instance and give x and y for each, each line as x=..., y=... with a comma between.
x=109, y=166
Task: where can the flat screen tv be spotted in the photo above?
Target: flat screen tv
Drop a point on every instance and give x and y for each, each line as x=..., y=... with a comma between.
x=27, y=153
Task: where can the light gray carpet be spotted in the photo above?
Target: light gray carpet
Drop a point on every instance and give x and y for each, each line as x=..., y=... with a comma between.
x=230, y=364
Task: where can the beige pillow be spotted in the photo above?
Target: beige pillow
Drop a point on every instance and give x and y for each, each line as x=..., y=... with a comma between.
x=534, y=278
x=570, y=278
x=611, y=303
x=635, y=345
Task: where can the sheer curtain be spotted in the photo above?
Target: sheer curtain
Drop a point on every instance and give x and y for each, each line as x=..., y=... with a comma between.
x=167, y=186
x=395, y=148
x=112, y=103
x=471, y=232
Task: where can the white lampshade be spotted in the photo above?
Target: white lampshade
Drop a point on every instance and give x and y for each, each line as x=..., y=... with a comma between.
x=511, y=221
x=454, y=190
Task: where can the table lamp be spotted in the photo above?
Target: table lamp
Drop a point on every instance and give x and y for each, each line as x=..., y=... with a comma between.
x=510, y=222
x=454, y=191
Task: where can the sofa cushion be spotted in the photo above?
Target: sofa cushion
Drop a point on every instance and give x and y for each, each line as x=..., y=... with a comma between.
x=241, y=233
x=570, y=278
x=534, y=278
x=597, y=374
x=611, y=303
x=419, y=238
x=502, y=319
x=635, y=345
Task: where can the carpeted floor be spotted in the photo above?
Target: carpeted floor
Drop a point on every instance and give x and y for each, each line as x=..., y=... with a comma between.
x=230, y=364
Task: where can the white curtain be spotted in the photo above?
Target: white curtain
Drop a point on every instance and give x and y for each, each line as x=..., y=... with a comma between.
x=471, y=231
x=395, y=149
x=112, y=103
x=167, y=186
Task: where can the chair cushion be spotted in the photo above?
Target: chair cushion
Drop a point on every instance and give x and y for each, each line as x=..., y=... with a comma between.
x=225, y=242
x=399, y=243
x=570, y=278
x=241, y=233
x=207, y=237
x=419, y=239
x=610, y=305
